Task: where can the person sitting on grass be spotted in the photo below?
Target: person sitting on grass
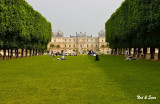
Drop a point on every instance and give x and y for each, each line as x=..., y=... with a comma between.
x=63, y=58
x=129, y=58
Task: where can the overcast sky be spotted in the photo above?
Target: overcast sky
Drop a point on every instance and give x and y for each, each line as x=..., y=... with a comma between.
x=71, y=16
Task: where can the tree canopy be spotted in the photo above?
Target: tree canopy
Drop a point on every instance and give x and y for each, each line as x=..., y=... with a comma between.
x=135, y=24
x=22, y=27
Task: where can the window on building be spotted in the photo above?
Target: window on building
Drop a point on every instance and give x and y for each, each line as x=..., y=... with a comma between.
x=87, y=45
x=73, y=45
x=96, y=45
x=80, y=45
x=102, y=40
x=65, y=40
x=92, y=40
x=87, y=40
x=74, y=40
x=54, y=40
x=65, y=45
x=91, y=45
x=69, y=39
x=69, y=45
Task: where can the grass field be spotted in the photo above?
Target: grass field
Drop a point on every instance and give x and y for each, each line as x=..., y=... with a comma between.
x=78, y=80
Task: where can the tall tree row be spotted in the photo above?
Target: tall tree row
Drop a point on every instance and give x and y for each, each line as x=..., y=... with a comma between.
x=135, y=24
x=22, y=27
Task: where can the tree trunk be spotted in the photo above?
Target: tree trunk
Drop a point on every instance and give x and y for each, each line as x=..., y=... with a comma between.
x=42, y=52
x=129, y=51
x=144, y=52
x=134, y=52
x=22, y=53
x=11, y=53
x=159, y=54
x=138, y=52
x=115, y=51
x=4, y=54
x=119, y=51
x=26, y=52
x=112, y=52
x=17, y=54
x=36, y=52
x=152, y=52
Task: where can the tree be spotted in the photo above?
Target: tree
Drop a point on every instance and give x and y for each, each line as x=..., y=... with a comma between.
x=22, y=27
x=103, y=46
x=58, y=46
x=77, y=51
x=74, y=50
x=52, y=46
x=135, y=24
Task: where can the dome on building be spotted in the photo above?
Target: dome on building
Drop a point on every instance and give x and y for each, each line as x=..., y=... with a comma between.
x=59, y=33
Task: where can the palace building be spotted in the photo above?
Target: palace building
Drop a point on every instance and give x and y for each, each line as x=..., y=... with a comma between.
x=80, y=43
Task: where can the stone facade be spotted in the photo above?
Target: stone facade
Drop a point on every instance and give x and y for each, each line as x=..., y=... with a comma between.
x=81, y=43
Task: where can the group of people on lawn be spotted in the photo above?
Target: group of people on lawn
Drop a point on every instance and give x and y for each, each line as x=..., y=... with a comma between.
x=91, y=53
x=57, y=54
x=128, y=57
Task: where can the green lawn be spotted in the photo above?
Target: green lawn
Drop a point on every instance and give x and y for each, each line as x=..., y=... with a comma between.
x=78, y=80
